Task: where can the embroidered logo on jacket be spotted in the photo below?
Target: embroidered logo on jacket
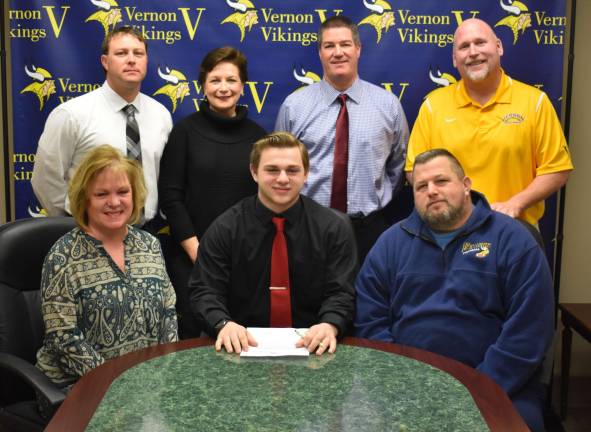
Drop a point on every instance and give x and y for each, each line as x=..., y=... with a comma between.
x=480, y=249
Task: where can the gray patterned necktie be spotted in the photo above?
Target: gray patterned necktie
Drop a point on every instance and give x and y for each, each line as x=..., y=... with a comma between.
x=132, y=132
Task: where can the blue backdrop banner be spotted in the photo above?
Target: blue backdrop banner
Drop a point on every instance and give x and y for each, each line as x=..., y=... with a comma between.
x=406, y=48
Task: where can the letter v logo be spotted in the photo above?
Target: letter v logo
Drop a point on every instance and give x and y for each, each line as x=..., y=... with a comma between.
x=322, y=13
x=191, y=29
x=197, y=86
x=57, y=28
x=255, y=94
x=459, y=15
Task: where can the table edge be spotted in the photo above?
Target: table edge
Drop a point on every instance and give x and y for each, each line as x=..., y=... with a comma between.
x=493, y=403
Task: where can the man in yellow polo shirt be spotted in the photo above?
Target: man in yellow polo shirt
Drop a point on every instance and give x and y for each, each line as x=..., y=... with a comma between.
x=505, y=133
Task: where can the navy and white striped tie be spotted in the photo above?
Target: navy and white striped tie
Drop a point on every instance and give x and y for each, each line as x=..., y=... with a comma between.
x=132, y=132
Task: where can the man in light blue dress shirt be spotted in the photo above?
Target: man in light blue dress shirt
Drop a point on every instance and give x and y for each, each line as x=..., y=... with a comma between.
x=378, y=133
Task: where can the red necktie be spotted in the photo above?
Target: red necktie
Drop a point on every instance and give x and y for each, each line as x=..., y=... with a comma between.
x=280, y=292
x=338, y=198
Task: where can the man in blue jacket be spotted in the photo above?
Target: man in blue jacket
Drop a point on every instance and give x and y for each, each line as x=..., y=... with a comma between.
x=461, y=280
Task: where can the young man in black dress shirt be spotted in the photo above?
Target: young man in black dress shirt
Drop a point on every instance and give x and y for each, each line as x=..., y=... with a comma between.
x=229, y=287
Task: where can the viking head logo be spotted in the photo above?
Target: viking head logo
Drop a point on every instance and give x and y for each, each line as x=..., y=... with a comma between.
x=109, y=14
x=244, y=17
x=519, y=17
x=305, y=77
x=176, y=86
x=43, y=86
x=381, y=18
x=441, y=79
x=36, y=212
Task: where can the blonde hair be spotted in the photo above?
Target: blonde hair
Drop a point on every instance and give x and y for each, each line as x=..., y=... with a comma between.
x=95, y=162
x=278, y=140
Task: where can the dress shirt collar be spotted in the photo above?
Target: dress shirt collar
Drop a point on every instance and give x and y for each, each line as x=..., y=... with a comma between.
x=502, y=94
x=330, y=93
x=116, y=102
x=291, y=215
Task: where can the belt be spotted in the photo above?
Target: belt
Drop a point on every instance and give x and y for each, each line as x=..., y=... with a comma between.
x=362, y=220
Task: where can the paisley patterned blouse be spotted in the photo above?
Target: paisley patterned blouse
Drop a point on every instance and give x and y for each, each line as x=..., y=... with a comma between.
x=94, y=312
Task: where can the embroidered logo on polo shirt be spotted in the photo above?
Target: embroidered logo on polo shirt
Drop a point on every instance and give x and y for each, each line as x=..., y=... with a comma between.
x=513, y=118
x=480, y=249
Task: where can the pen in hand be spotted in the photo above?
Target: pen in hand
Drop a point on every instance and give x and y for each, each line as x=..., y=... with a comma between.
x=299, y=333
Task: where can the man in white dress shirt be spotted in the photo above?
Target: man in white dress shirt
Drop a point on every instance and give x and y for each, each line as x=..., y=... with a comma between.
x=98, y=117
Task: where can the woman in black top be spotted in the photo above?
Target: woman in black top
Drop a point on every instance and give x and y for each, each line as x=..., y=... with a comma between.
x=205, y=168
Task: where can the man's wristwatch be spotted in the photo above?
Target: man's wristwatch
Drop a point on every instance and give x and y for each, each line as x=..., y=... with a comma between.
x=220, y=325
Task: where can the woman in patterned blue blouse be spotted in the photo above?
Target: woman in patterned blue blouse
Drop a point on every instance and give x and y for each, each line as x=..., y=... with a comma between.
x=104, y=287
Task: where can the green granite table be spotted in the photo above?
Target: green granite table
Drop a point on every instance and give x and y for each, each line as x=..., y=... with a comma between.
x=364, y=386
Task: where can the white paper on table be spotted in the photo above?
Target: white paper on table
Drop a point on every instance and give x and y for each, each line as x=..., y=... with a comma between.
x=275, y=342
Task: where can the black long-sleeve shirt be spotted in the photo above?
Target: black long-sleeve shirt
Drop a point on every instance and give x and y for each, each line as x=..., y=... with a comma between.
x=230, y=279
x=205, y=169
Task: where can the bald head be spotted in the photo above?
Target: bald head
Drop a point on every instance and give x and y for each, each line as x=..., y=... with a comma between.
x=474, y=24
x=477, y=52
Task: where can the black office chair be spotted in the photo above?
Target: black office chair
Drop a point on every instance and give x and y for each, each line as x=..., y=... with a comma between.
x=27, y=397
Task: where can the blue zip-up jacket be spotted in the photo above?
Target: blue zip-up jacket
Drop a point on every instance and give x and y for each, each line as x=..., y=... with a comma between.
x=485, y=300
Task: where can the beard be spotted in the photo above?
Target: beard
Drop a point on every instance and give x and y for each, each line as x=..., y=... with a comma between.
x=444, y=219
x=490, y=68
x=477, y=76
